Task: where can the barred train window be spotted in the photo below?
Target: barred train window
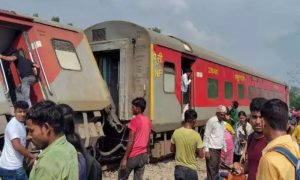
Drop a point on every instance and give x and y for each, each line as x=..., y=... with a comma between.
x=266, y=94
x=228, y=90
x=169, y=77
x=212, y=88
x=241, y=91
x=258, y=92
x=250, y=92
x=66, y=55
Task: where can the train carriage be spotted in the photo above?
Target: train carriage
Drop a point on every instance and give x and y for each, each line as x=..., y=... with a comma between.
x=136, y=61
x=68, y=72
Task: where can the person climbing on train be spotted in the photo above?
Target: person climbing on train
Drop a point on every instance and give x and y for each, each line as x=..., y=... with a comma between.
x=26, y=73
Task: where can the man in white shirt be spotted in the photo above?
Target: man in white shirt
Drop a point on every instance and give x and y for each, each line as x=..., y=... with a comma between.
x=214, y=142
x=186, y=80
x=11, y=160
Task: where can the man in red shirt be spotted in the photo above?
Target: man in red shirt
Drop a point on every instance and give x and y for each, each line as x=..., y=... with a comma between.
x=136, y=155
x=256, y=141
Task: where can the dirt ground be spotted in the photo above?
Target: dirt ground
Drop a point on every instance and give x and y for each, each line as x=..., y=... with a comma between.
x=160, y=171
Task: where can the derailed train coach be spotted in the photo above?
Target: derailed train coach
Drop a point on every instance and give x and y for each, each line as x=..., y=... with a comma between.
x=68, y=71
x=136, y=61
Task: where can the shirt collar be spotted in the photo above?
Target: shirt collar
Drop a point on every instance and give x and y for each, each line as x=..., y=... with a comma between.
x=58, y=141
x=277, y=142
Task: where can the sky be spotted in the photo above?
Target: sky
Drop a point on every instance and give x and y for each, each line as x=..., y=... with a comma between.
x=263, y=35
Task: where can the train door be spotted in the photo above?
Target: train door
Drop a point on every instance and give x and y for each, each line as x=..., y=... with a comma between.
x=111, y=59
x=187, y=80
x=13, y=41
x=109, y=65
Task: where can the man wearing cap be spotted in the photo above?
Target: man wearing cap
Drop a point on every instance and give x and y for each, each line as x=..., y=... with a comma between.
x=214, y=141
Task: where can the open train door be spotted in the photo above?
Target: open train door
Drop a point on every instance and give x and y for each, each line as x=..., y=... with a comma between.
x=110, y=57
x=188, y=63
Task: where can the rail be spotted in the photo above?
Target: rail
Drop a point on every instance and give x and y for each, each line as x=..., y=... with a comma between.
x=4, y=77
x=42, y=67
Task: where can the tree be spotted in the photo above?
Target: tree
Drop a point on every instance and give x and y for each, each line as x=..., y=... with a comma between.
x=35, y=15
x=294, y=95
x=55, y=18
x=156, y=29
x=70, y=24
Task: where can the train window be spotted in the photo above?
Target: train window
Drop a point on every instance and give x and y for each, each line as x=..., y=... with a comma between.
x=169, y=77
x=212, y=88
x=228, y=90
x=99, y=34
x=241, y=91
x=266, y=94
x=271, y=95
x=66, y=54
x=250, y=92
x=258, y=92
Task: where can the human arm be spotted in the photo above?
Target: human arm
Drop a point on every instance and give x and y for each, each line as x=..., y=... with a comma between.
x=173, y=148
x=266, y=170
x=22, y=150
x=185, y=80
x=35, y=65
x=129, y=146
x=207, y=133
x=200, y=147
x=8, y=58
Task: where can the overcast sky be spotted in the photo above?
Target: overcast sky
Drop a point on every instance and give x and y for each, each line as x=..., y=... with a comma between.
x=264, y=34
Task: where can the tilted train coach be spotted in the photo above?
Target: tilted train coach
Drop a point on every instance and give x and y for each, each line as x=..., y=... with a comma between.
x=136, y=61
x=68, y=72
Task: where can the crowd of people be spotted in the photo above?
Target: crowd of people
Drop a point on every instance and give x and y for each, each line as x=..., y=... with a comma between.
x=258, y=146
x=255, y=147
x=50, y=128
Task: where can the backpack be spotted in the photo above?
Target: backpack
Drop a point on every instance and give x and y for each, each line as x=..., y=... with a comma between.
x=293, y=159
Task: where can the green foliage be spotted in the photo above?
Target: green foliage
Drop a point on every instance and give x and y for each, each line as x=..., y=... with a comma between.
x=70, y=24
x=156, y=29
x=35, y=15
x=294, y=97
x=55, y=18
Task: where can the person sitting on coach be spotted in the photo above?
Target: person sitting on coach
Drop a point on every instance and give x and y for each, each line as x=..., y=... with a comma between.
x=25, y=69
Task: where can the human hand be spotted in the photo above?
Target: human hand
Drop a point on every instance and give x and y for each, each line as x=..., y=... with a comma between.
x=237, y=169
x=191, y=76
x=30, y=160
x=123, y=164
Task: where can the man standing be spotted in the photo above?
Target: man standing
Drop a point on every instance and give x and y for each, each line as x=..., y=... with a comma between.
x=186, y=143
x=136, y=155
x=186, y=79
x=274, y=165
x=11, y=160
x=234, y=114
x=256, y=141
x=58, y=160
x=24, y=67
x=214, y=142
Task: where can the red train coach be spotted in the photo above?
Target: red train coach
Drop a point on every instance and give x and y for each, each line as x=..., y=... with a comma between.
x=136, y=61
x=68, y=72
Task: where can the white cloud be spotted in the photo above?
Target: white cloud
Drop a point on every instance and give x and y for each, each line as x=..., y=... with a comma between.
x=199, y=36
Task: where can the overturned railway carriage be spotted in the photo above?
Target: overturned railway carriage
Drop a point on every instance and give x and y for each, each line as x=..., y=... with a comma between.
x=135, y=61
x=68, y=72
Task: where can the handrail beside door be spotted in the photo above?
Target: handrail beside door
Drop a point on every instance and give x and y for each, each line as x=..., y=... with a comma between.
x=4, y=77
x=42, y=67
